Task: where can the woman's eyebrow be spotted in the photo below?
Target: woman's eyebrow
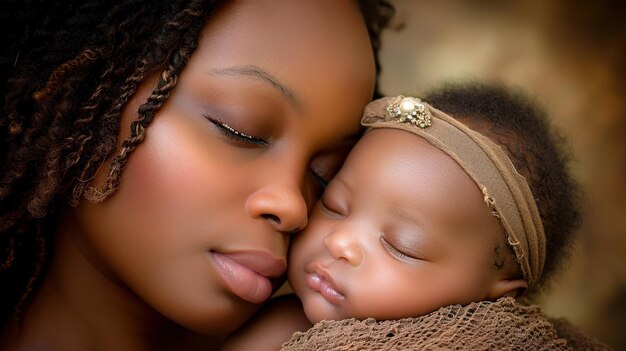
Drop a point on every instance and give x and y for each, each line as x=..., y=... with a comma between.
x=257, y=72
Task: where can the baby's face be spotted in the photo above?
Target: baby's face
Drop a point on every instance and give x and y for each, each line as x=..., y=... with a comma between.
x=400, y=231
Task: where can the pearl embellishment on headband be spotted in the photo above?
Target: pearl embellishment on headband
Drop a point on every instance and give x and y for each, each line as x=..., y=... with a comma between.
x=411, y=110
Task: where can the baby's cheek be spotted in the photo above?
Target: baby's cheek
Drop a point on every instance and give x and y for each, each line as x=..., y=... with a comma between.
x=305, y=242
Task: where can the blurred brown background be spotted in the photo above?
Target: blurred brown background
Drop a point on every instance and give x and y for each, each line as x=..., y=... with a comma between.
x=571, y=56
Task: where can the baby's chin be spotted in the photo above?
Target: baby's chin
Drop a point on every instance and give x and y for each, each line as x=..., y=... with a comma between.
x=316, y=317
x=316, y=312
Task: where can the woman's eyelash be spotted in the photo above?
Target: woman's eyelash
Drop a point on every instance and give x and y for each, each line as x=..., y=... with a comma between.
x=237, y=135
x=319, y=180
x=395, y=251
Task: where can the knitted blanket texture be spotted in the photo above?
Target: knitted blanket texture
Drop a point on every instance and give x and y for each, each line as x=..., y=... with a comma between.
x=501, y=325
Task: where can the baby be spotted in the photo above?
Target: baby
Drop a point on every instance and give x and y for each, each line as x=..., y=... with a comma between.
x=430, y=209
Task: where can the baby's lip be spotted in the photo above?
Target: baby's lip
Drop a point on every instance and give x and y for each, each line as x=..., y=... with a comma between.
x=319, y=279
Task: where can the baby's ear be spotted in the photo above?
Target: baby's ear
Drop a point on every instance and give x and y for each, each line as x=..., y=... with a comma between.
x=507, y=287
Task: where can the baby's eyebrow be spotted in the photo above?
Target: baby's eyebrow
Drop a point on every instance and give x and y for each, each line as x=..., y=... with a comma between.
x=259, y=73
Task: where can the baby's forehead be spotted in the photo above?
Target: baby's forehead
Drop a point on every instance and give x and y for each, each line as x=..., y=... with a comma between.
x=397, y=145
x=410, y=182
x=391, y=158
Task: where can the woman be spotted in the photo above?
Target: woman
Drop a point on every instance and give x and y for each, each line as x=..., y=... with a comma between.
x=150, y=183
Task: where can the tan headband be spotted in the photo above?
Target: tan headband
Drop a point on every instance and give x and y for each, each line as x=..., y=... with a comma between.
x=504, y=189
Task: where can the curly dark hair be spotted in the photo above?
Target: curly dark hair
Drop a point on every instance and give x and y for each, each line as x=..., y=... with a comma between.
x=67, y=70
x=517, y=123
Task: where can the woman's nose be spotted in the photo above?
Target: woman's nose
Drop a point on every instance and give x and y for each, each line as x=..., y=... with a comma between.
x=343, y=244
x=281, y=205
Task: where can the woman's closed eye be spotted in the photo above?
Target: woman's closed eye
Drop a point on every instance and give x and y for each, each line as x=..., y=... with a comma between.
x=316, y=185
x=320, y=182
x=236, y=135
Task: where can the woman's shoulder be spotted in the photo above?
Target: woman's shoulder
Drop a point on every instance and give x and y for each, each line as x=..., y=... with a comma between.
x=271, y=326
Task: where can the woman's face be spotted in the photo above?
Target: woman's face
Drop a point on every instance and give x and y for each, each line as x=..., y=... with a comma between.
x=400, y=231
x=199, y=227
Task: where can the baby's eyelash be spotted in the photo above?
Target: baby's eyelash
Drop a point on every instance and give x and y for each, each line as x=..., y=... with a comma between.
x=237, y=135
x=391, y=249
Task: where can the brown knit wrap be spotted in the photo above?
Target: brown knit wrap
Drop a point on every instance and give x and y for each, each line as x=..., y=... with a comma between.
x=501, y=325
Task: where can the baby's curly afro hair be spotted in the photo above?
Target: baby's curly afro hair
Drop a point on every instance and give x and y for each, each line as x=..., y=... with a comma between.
x=516, y=122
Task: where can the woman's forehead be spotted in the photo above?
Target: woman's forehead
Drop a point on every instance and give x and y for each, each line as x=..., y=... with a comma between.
x=326, y=37
x=317, y=53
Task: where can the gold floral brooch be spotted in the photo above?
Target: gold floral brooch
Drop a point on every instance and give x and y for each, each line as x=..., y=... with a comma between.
x=410, y=110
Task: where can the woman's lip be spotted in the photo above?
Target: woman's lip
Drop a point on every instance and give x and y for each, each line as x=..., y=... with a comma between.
x=247, y=273
x=319, y=279
x=261, y=262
